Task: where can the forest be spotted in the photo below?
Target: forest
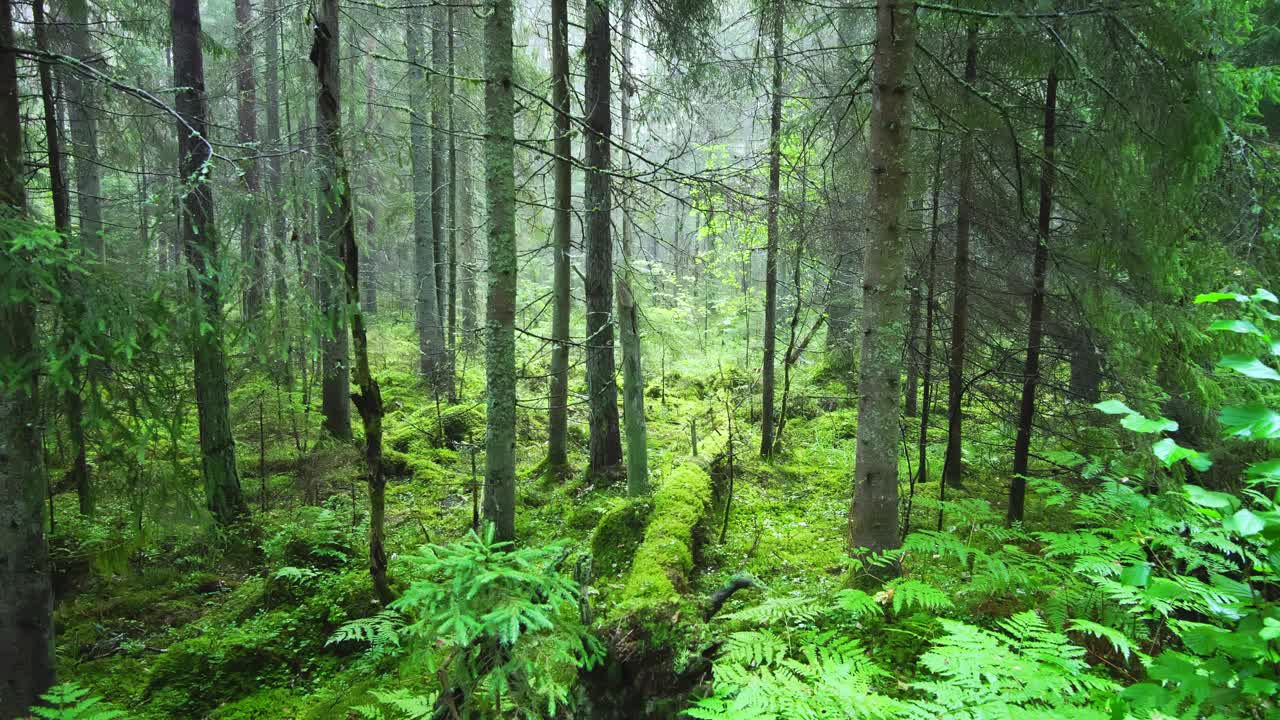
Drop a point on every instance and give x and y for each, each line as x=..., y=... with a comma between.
x=640, y=359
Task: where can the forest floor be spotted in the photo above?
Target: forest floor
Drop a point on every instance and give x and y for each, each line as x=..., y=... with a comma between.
x=181, y=621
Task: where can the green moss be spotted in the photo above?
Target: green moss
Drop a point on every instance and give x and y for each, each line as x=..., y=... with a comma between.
x=269, y=704
x=618, y=535
x=660, y=570
x=428, y=427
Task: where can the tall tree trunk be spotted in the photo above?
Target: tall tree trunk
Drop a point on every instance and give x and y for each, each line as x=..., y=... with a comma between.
x=873, y=517
x=272, y=29
x=771, y=252
x=605, y=444
x=439, y=187
x=26, y=595
x=82, y=102
x=926, y=364
x=1035, y=330
x=369, y=260
x=953, y=467
x=451, y=337
x=251, y=241
x=500, y=345
x=200, y=238
x=911, y=406
x=431, y=350
x=338, y=220
x=467, y=284
x=558, y=404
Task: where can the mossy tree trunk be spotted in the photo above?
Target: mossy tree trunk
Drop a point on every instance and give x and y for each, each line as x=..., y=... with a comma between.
x=605, y=442
x=873, y=517
x=500, y=345
x=337, y=218
x=440, y=190
x=1035, y=330
x=771, y=251
x=558, y=403
x=26, y=595
x=633, y=392
x=200, y=239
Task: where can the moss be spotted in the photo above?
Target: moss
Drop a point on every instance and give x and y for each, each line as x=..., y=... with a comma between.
x=426, y=427
x=269, y=704
x=618, y=535
x=660, y=570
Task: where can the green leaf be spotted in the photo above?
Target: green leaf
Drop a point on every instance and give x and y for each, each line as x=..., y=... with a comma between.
x=1269, y=469
x=1254, y=422
x=1114, y=407
x=1136, y=575
x=1249, y=366
x=1170, y=453
x=1214, y=297
x=1209, y=498
x=1244, y=523
x=1265, y=294
x=1243, y=327
x=1142, y=424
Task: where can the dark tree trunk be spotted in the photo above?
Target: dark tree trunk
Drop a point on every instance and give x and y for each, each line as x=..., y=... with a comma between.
x=558, y=403
x=953, y=467
x=873, y=517
x=911, y=406
x=431, y=350
x=369, y=260
x=82, y=102
x=251, y=242
x=605, y=442
x=500, y=345
x=200, y=238
x=771, y=253
x=439, y=187
x=337, y=219
x=451, y=337
x=1035, y=330
x=272, y=29
x=26, y=595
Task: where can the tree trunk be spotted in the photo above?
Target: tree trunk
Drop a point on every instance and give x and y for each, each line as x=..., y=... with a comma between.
x=274, y=163
x=558, y=403
x=369, y=260
x=338, y=219
x=922, y=444
x=953, y=467
x=26, y=595
x=251, y=241
x=605, y=442
x=431, y=351
x=500, y=345
x=911, y=407
x=1035, y=331
x=83, y=105
x=771, y=253
x=200, y=238
x=451, y=336
x=633, y=392
x=873, y=517
x=439, y=187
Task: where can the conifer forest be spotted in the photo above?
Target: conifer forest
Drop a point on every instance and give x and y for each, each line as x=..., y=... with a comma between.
x=640, y=359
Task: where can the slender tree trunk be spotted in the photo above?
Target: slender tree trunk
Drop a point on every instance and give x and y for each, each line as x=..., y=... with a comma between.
x=82, y=102
x=771, y=253
x=873, y=517
x=275, y=182
x=1035, y=331
x=431, y=357
x=605, y=444
x=922, y=445
x=338, y=219
x=500, y=345
x=468, y=282
x=911, y=407
x=26, y=595
x=451, y=337
x=953, y=468
x=369, y=260
x=439, y=185
x=251, y=241
x=200, y=238
x=558, y=405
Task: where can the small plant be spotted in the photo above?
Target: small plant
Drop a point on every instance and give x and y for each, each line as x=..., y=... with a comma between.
x=69, y=701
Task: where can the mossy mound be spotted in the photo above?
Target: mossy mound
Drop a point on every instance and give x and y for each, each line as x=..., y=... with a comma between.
x=662, y=563
x=617, y=537
x=429, y=427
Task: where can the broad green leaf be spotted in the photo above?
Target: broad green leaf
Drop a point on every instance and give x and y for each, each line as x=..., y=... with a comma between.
x=1265, y=294
x=1113, y=407
x=1142, y=424
x=1214, y=297
x=1254, y=422
x=1136, y=575
x=1243, y=327
x=1269, y=469
x=1245, y=523
x=1249, y=366
x=1209, y=498
x=1170, y=452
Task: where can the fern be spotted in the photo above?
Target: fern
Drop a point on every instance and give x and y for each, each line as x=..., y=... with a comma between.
x=69, y=701
x=379, y=631
x=908, y=594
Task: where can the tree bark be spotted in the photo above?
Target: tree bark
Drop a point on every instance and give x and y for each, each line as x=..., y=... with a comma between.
x=558, y=403
x=369, y=260
x=873, y=517
x=953, y=467
x=26, y=595
x=1035, y=330
x=439, y=186
x=252, y=246
x=275, y=182
x=605, y=443
x=451, y=335
x=431, y=350
x=200, y=238
x=500, y=358
x=82, y=102
x=338, y=219
x=771, y=252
